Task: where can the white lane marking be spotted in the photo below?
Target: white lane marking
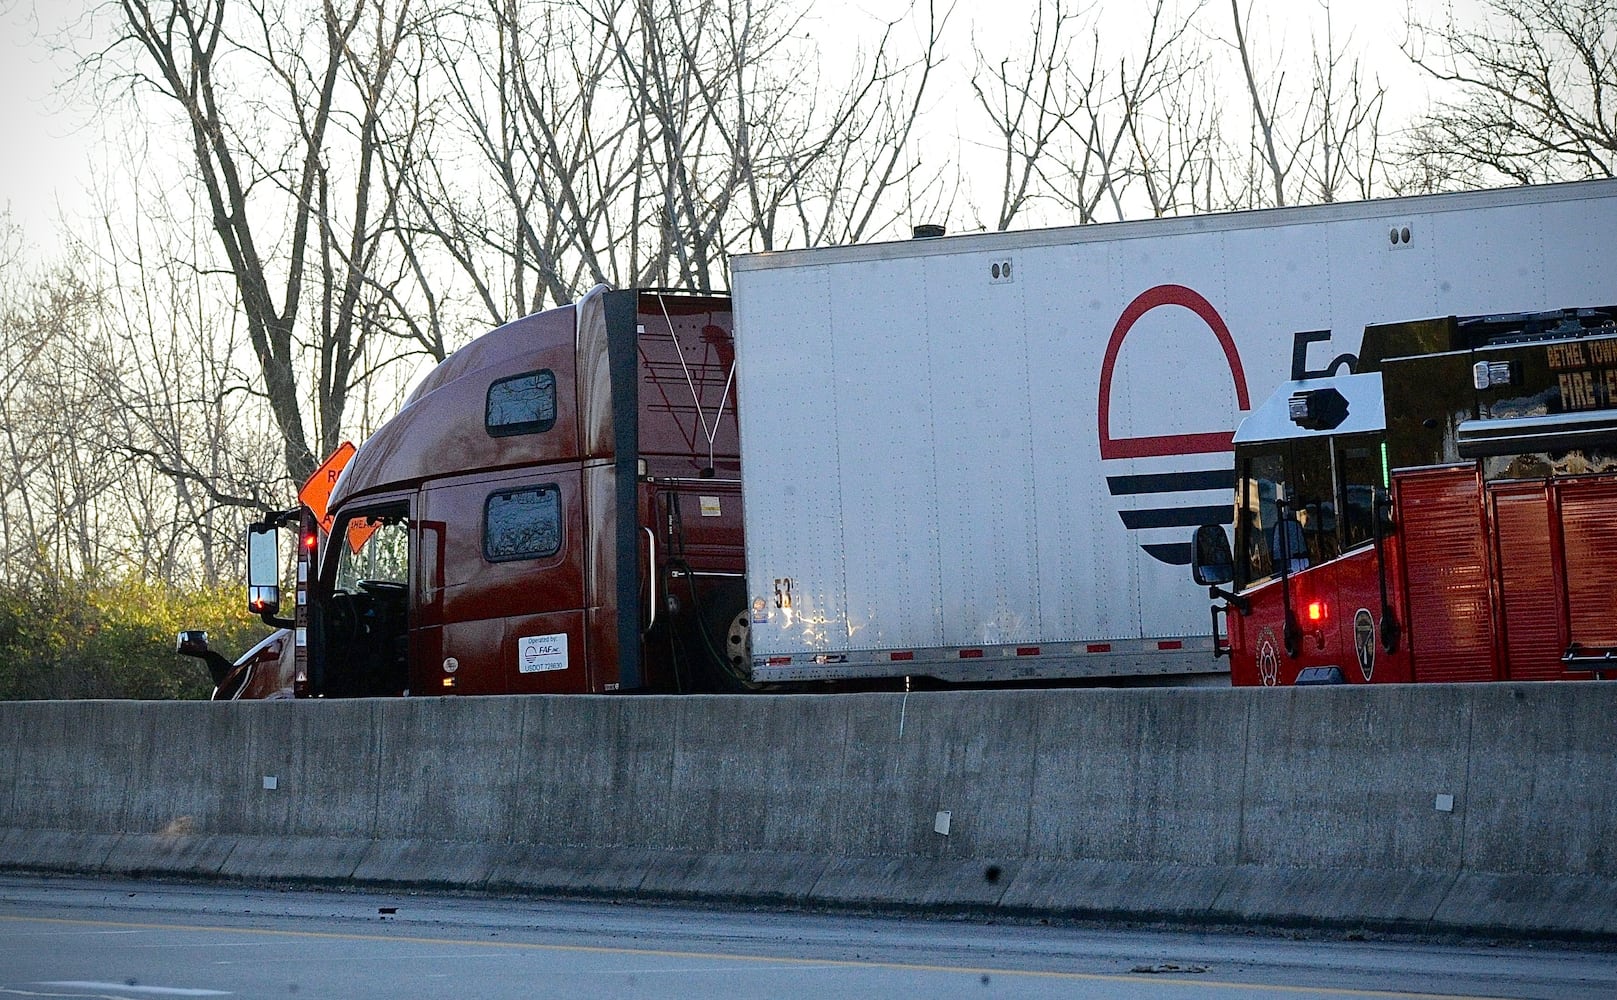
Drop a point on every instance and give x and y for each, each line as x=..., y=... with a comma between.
x=75, y=932
x=166, y=991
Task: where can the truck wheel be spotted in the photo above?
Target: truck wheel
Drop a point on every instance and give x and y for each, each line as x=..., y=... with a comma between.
x=737, y=647
x=728, y=630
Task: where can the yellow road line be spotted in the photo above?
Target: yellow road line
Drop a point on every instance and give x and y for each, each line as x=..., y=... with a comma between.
x=1138, y=979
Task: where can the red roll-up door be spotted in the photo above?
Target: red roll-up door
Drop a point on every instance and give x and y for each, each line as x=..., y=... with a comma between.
x=1451, y=627
x=1589, y=537
x=1529, y=581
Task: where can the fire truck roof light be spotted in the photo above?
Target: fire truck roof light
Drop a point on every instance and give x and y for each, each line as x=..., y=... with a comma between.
x=1317, y=409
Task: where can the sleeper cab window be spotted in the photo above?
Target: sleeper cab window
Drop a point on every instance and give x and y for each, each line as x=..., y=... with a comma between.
x=522, y=404
x=522, y=523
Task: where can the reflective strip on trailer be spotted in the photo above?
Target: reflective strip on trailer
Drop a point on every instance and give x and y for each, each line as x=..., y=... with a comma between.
x=1118, y=657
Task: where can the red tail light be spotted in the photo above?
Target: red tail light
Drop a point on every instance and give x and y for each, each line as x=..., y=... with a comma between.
x=1318, y=612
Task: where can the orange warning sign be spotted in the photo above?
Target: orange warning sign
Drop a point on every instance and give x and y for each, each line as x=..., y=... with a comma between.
x=316, y=493
x=360, y=530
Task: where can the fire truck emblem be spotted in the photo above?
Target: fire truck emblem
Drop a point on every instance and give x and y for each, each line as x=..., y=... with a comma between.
x=1268, y=660
x=1161, y=482
x=1364, y=641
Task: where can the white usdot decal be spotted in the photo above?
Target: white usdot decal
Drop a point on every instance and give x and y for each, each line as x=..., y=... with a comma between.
x=538, y=653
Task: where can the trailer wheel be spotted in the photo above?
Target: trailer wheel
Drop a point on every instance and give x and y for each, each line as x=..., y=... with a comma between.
x=727, y=636
x=738, y=647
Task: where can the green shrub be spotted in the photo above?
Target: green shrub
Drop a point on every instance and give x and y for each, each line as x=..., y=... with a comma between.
x=69, y=638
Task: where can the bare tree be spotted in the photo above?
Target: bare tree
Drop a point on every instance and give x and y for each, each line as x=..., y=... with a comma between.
x=1314, y=143
x=1534, y=86
x=529, y=119
x=837, y=176
x=1346, y=138
x=1171, y=121
x=50, y=487
x=1263, y=106
x=1080, y=129
x=131, y=437
x=286, y=116
x=185, y=421
x=1027, y=104
x=641, y=142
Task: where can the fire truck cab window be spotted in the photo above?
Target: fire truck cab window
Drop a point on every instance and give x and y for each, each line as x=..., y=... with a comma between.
x=1262, y=476
x=1312, y=502
x=1358, y=465
x=522, y=524
x=522, y=404
x=1286, y=510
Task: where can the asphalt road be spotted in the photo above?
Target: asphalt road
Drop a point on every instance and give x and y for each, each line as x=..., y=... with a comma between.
x=74, y=937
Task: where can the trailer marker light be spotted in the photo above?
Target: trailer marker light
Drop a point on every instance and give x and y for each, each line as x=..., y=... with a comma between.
x=1027, y=651
x=903, y=654
x=1171, y=644
x=971, y=654
x=449, y=682
x=779, y=661
x=1098, y=647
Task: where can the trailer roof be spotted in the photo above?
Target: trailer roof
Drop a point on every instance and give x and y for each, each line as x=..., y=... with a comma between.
x=1208, y=223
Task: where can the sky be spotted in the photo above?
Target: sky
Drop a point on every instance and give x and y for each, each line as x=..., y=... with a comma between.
x=50, y=144
x=53, y=136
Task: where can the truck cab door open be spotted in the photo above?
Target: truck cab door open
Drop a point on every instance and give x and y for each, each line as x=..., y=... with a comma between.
x=361, y=607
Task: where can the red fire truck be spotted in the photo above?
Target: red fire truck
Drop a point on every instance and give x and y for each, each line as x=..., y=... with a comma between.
x=583, y=535
x=1445, y=512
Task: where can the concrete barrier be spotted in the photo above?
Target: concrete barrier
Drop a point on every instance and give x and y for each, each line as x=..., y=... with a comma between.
x=1481, y=809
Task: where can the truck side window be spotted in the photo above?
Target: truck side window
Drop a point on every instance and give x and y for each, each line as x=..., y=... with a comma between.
x=1262, y=475
x=522, y=524
x=1313, y=500
x=375, y=547
x=522, y=404
x=1358, y=463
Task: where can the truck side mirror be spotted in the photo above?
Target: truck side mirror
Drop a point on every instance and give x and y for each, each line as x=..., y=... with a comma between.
x=263, y=569
x=194, y=642
x=1211, y=561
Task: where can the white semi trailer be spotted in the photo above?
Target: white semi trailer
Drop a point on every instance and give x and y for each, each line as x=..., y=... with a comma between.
x=981, y=457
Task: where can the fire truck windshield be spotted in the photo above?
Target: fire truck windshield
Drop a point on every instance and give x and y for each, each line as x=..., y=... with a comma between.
x=1303, y=502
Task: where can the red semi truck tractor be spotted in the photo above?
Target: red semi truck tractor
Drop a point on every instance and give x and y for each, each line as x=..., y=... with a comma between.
x=1447, y=512
x=556, y=509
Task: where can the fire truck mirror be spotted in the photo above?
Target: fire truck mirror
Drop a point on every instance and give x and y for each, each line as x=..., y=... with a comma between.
x=263, y=569
x=1211, y=561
